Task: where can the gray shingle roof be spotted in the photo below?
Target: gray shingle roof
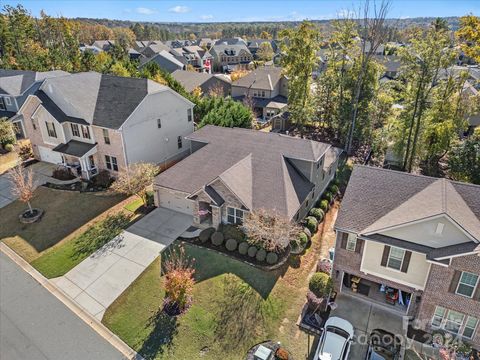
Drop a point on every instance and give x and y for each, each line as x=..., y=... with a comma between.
x=74, y=148
x=254, y=165
x=191, y=79
x=16, y=82
x=377, y=199
x=266, y=78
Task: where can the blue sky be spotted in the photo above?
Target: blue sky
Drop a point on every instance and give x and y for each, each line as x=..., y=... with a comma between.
x=245, y=10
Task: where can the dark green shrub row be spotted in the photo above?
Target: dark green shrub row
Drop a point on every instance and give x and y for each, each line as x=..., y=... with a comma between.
x=312, y=224
x=317, y=213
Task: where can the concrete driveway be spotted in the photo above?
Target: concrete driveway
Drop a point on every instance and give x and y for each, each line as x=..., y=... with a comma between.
x=365, y=317
x=98, y=280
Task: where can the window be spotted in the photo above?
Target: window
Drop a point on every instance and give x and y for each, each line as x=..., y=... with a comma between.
x=438, y=316
x=189, y=115
x=111, y=162
x=179, y=142
x=351, y=242
x=85, y=132
x=159, y=123
x=75, y=130
x=395, y=258
x=8, y=101
x=51, y=129
x=470, y=327
x=467, y=284
x=263, y=93
x=106, y=137
x=306, y=203
x=2, y=104
x=454, y=321
x=234, y=216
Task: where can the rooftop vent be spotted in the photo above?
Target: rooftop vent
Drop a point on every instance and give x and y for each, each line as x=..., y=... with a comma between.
x=439, y=229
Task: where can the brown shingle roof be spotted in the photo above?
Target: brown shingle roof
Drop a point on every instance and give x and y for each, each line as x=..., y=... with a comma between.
x=262, y=78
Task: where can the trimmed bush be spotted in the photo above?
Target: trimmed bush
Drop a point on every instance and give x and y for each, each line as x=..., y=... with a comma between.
x=333, y=189
x=217, y=238
x=312, y=224
x=317, y=213
x=231, y=244
x=294, y=244
x=103, y=179
x=205, y=234
x=308, y=233
x=233, y=232
x=303, y=239
x=243, y=248
x=323, y=205
x=261, y=255
x=335, y=182
x=252, y=251
x=320, y=284
x=328, y=196
x=272, y=258
x=9, y=147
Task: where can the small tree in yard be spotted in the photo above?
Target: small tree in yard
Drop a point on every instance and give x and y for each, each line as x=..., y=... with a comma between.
x=135, y=180
x=269, y=230
x=7, y=134
x=179, y=283
x=23, y=185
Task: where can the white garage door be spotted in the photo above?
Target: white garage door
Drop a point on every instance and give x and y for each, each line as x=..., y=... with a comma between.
x=175, y=201
x=50, y=156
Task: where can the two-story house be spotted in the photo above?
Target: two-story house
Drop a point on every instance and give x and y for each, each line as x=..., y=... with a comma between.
x=195, y=56
x=267, y=90
x=219, y=83
x=228, y=57
x=15, y=86
x=91, y=121
x=412, y=243
x=233, y=171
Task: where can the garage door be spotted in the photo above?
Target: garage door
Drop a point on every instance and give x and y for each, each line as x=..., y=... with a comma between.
x=50, y=156
x=175, y=201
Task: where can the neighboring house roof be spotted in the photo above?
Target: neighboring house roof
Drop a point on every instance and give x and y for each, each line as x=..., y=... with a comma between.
x=16, y=82
x=191, y=80
x=91, y=48
x=74, y=148
x=154, y=48
x=7, y=114
x=229, y=50
x=166, y=61
x=392, y=63
x=103, y=44
x=278, y=102
x=256, y=166
x=377, y=199
x=231, y=41
x=98, y=99
x=265, y=78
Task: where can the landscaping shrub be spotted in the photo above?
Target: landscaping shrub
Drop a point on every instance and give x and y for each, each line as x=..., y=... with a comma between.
x=328, y=196
x=308, y=233
x=333, y=189
x=294, y=244
x=150, y=198
x=25, y=152
x=335, y=182
x=317, y=213
x=103, y=179
x=261, y=255
x=9, y=147
x=324, y=205
x=312, y=224
x=320, y=284
x=243, y=248
x=272, y=258
x=205, y=234
x=231, y=244
x=233, y=232
x=217, y=238
x=302, y=239
x=62, y=173
x=252, y=251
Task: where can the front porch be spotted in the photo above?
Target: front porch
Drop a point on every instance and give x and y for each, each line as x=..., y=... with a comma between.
x=79, y=158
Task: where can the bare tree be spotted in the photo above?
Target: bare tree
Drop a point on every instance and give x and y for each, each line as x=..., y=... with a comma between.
x=135, y=179
x=23, y=185
x=373, y=33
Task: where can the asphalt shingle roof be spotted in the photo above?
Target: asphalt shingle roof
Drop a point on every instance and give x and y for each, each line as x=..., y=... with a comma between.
x=15, y=82
x=74, y=148
x=261, y=78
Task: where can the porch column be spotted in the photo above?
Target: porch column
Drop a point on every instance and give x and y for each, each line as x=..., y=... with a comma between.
x=216, y=216
x=84, y=167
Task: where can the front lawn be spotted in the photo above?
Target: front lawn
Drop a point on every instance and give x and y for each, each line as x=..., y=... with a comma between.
x=67, y=214
x=235, y=307
x=57, y=261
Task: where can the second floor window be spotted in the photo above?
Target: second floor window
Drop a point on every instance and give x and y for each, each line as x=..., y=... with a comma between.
x=106, y=137
x=75, y=130
x=189, y=115
x=51, y=129
x=179, y=142
x=111, y=162
x=2, y=104
x=351, y=242
x=85, y=132
x=467, y=284
x=395, y=258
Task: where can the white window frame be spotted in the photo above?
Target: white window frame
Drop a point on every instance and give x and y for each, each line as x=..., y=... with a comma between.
x=459, y=323
x=395, y=258
x=106, y=137
x=2, y=104
x=111, y=163
x=237, y=218
x=85, y=132
x=474, y=287
x=474, y=329
x=51, y=132
x=189, y=115
x=8, y=101
x=439, y=317
x=442, y=319
x=351, y=239
x=75, y=130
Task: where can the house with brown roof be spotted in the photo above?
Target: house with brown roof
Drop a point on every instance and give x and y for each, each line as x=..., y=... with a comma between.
x=207, y=83
x=412, y=243
x=233, y=171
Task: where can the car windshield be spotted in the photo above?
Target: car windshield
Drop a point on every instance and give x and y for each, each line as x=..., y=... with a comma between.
x=380, y=353
x=334, y=343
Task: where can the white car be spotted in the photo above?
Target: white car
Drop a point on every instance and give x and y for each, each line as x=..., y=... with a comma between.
x=335, y=341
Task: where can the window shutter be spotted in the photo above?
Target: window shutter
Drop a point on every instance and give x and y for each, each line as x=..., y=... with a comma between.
x=386, y=252
x=455, y=280
x=406, y=261
x=343, y=239
x=476, y=295
x=359, y=245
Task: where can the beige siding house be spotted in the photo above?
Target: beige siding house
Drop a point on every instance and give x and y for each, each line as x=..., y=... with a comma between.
x=90, y=122
x=412, y=243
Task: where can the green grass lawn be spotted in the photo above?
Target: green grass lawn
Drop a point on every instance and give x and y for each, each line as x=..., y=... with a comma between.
x=67, y=214
x=134, y=205
x=59, y=260
x=235, y=306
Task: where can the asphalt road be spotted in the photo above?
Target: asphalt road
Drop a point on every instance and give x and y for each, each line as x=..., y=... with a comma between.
x=35, y=325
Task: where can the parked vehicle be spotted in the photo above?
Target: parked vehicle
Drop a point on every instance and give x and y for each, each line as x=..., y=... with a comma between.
x=335, y=340
x=383, y=345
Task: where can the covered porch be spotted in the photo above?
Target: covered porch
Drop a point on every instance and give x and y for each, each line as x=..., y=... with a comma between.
x=79, y=158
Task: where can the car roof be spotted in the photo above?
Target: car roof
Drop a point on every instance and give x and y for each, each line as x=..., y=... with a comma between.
x=340, y=323
x=333, y=345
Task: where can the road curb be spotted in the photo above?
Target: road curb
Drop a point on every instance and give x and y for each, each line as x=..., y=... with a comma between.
x=94, y=323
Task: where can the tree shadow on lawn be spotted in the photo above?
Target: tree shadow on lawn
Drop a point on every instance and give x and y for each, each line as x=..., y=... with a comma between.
x=209, y=264
x=160, y=339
